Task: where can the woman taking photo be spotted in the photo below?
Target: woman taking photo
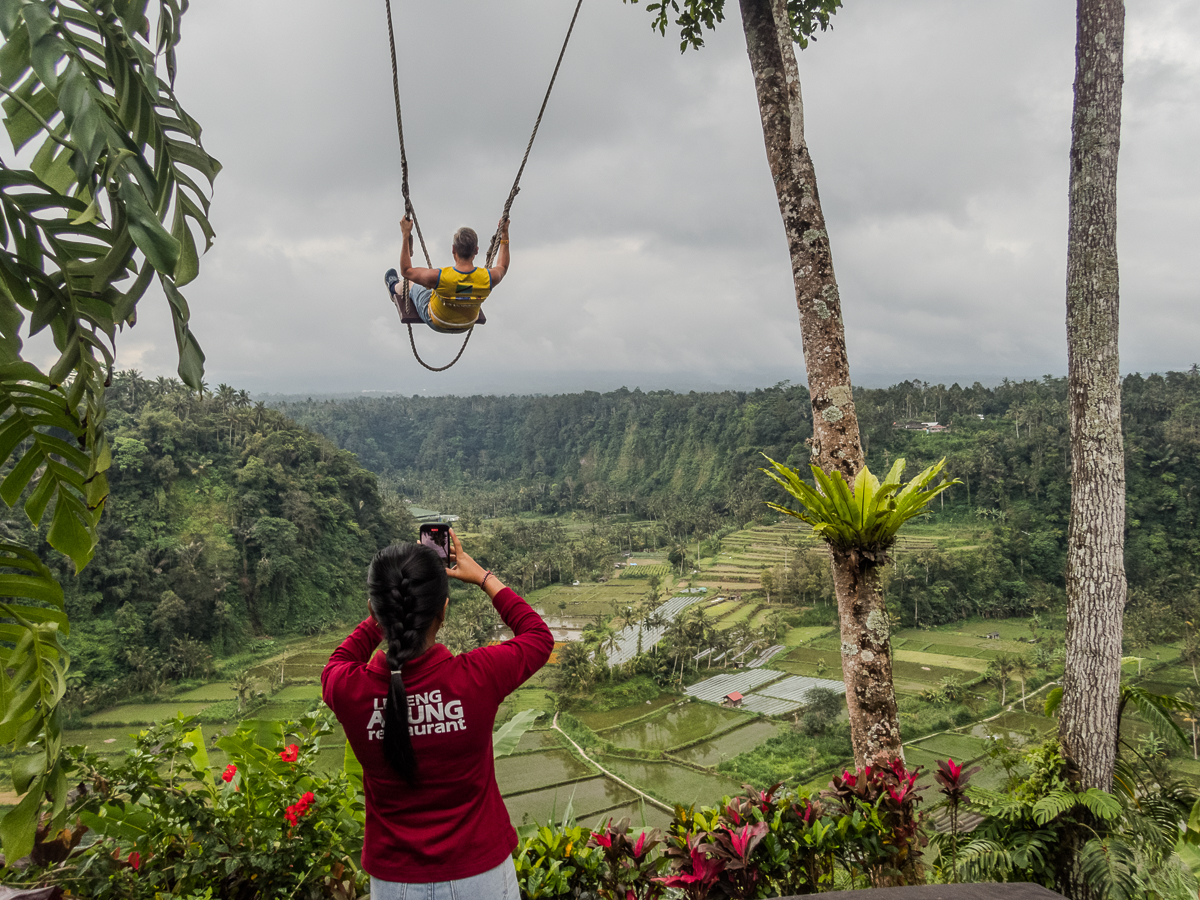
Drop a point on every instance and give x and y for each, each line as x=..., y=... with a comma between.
x=436, y=825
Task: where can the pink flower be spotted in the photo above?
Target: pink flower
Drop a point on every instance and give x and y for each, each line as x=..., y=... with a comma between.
x=641, y=842
x=230, y=771
x=291, y=754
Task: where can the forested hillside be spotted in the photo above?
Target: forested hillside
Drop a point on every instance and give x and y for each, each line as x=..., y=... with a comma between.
x=226, y=521
x=691, y=460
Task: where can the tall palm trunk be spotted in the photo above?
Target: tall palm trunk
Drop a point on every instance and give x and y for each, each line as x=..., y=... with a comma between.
x=1096, y=536
x=836, y=446
x=1096, y=588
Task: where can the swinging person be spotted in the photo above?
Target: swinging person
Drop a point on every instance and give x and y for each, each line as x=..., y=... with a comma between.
x=448, y=299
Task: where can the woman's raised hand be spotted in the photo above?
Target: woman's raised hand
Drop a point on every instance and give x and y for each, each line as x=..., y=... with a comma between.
x=462, y=566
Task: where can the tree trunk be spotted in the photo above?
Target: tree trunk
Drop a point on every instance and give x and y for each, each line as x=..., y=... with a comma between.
x=1089, y=716
x=866, y=660
x=836, y=446
x=1096, y=535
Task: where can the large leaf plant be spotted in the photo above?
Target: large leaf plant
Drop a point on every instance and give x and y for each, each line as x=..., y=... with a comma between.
x=863, y=518
x=105, y=191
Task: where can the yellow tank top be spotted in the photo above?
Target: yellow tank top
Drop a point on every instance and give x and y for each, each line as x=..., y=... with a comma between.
x=456, y=299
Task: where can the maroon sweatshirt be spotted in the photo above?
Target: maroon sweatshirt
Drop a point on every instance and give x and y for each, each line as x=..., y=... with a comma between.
x=453, y=824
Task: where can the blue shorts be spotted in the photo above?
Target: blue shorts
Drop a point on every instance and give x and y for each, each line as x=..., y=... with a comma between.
x=499, y=883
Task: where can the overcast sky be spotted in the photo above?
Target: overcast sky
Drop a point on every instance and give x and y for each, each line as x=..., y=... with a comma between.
x=647, y=244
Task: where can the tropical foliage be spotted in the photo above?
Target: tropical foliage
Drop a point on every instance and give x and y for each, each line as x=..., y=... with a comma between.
x=166, y=824
x=662, y=469
x=865, y=516
x=1128, y=842
x=694, y=18
x=107, y=205
x=227, y=523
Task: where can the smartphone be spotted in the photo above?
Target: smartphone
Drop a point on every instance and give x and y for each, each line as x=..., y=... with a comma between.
x=437, y=537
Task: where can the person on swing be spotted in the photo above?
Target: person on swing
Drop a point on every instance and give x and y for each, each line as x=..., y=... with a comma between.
x=448, y=299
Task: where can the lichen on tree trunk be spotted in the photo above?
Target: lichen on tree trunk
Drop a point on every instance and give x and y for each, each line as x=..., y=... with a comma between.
x=836, y=445
x=866, y=659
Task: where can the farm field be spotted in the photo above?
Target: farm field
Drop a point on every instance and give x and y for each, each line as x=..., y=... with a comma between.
x=545, y=774
x=678, y=725
x=670, y=782
x=713, y=752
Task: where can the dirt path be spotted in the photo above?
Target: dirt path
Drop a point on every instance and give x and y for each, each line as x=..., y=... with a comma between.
x=605, y=772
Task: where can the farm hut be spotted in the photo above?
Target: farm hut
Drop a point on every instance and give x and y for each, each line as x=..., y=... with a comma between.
x=993, y=635
x=732, y=699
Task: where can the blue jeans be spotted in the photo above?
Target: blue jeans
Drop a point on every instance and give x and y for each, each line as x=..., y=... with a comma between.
x=499, y=883
x=420, y=297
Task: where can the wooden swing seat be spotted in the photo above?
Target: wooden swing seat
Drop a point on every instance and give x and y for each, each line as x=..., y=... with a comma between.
x=409, y=316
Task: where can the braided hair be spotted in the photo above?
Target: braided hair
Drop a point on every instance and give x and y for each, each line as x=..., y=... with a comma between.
x=408, y=587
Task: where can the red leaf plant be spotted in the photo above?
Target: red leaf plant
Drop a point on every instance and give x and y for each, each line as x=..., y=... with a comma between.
x=696, y=871
x=889, y=796
x=629, y=865
x=953, y=781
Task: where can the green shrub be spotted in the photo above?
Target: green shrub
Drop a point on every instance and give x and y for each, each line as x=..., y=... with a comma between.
x=268, y=826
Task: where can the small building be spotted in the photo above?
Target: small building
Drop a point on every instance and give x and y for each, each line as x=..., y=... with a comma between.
x=993, y=635
x=732, y=699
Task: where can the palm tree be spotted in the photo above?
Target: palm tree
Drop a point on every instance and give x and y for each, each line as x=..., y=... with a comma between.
x=243, y=685
x=999, y=672
x=1022, y=668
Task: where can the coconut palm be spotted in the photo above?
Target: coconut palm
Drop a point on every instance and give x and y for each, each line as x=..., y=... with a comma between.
x=999, y=672
x=1022, y=668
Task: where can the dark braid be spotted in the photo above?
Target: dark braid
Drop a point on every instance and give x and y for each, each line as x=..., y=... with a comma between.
x=408, y=587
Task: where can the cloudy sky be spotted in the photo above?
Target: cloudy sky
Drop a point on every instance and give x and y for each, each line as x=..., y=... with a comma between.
x=647, y=243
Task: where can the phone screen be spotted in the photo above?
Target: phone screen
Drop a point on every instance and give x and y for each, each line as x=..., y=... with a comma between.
x=437, y=537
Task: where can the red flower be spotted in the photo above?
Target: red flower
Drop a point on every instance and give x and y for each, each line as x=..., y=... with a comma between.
x=135, y=860
x=299, y=808
x=230, y=771
x=291, y=754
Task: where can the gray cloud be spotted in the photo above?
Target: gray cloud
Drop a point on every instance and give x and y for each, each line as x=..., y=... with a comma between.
x=647, y=243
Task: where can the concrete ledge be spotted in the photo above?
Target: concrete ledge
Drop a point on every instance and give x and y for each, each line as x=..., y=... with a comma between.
x=988, y=891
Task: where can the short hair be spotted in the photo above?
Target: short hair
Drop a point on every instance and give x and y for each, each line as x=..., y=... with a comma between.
x=466, y=242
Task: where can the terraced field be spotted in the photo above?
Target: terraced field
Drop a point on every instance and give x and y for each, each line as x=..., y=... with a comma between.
x=687, y=741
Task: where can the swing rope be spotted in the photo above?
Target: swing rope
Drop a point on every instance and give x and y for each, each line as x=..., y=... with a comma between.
x=410, y=212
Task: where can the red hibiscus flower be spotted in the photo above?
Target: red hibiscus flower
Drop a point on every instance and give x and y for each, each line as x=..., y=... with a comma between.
x=230, y=771
x=291, y=754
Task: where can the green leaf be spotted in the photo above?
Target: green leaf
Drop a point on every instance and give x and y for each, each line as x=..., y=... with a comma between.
x=352, y=767
x=1102, y=804
x=19, y=824
x=198, y=752
x=147, y=231
x=506, y=738
x=26, y=769
x=191, y=357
